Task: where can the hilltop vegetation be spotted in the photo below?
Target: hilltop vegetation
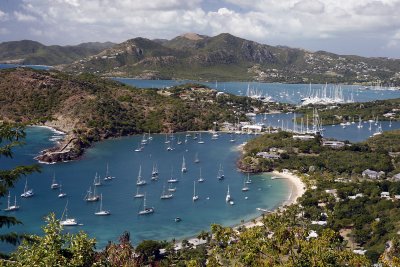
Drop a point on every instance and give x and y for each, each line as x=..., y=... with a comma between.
x=30, y=52
x=90, y=108
x=227, y=57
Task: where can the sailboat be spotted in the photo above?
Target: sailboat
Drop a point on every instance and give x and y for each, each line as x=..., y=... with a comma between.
x=184, y=169
x=139, y=148
x=144, y=140
x=9, y=206
x=195, y=197
x=150, y=137
x=67, y=221
x=170, y=188
x=102, y=212
x=201, y=179
x=54, y=184
x=179, y=141
x=139, y=180
x=378, y=131
x=154, y=172
x=166, y=195
x=92, y=196
x=200, y=140
x=138, y=194
x=108, y=177
x=359, y=126
x=220, y=175
x=61, y=194
x=248, y=181
x=196, y=158
x=228, y=196
x=166, y=139
x=27, y=192
x=245, y=187
x=232, y=139
x=145, y=210
x=170, y=147
x=97, y=181
x=186, y=138
x=172, y=179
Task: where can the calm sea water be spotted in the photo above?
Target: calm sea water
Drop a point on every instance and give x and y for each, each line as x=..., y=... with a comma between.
x=351, y=133
x=285, y=93
x=37, y=67
x=124, y=163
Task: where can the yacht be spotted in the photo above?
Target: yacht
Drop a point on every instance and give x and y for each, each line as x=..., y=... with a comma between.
x=108, y=177
x=54, y=184
x=65, y=221
x=145, y=209
x=184, y=169
x=195, y=197
x=166, y=195
x=97, y=181
x=27, y=192
x=154, y=172
x=102, y=212
x=61, y=194
x=138, y=194
x=200, y=140
x=220, y=175
x=201, y=179
x=196, y=158
x=172, y=179
x=245, y=188
x=228, y=196
x=92, y=196
x=248, y=181
x=9, y=206
x=140, y=181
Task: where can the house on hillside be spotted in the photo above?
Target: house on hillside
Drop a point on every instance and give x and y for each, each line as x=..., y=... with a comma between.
x=370, y=174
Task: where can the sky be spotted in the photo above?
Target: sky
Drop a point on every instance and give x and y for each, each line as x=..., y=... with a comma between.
x=359, y=27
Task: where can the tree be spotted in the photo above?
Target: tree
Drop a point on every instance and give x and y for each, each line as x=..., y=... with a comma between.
x=148, y=251
x=10, y=137
x=55, y=248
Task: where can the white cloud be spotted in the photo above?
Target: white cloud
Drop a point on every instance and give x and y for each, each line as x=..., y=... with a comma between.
x=24, y=17
x=3, y=16
x=262, y=20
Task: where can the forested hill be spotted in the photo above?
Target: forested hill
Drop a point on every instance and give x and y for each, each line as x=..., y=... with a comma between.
x=227, y=57
x=91, y=108
x=34, y=53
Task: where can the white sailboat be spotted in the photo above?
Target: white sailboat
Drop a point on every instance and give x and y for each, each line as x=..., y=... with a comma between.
x=102, y=212
x=9, y=206
x=248, y=181
x=154, y=172
x=166, y=139
x=65, y=221
x=232, y=139
x=97, y=180
x=92, y=196
x=220, y=175
x=228, y=196
x=108, y=177
x=201, y=179
x=138, y=194
x=145, y=209
x=165, y=194
x=54, y=184
x=195, y=196
x=139, y=180
x=359, y=126
x=61, y=194
x=170, y=188
x=172, y=179
x=27, y=192
x=144, y=140
x=139, y=148
x=184, y=169
x=200, y=140
x=179, y=141
x=245, y=188
x=196, y=158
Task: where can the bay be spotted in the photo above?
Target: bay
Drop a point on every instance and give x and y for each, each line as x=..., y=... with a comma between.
x=124, y=164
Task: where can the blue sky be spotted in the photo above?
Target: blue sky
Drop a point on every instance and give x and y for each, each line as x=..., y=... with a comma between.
x=368, y=27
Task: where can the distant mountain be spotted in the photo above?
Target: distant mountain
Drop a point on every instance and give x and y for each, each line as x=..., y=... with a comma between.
x=227, y=57
x=31, y=52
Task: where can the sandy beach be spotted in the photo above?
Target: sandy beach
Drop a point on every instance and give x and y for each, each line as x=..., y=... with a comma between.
x=297, y=189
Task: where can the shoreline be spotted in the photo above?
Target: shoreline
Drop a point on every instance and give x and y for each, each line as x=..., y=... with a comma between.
x=297, y=189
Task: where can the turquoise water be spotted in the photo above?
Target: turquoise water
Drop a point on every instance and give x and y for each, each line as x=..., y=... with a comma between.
x=77, y=176
x=37, y=67
x=284, y=93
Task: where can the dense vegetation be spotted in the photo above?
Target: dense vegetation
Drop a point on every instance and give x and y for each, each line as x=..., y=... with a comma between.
x=366, y=220
x=31, y=52
x=90, y=108
x=227, y=57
